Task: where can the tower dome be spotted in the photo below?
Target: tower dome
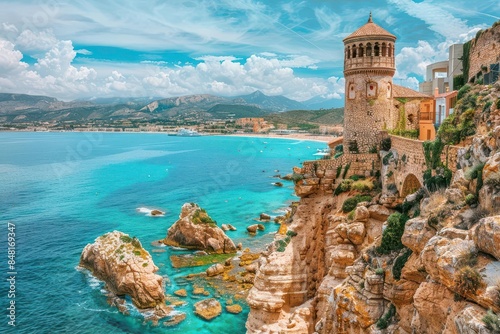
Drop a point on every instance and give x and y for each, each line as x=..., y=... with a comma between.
x=369, y=47
x=368, y=70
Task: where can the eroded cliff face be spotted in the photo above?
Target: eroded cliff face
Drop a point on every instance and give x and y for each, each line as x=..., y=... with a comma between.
x=441, y=274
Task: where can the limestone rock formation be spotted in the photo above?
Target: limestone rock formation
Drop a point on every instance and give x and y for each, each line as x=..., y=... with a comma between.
x=215, y=270
x=196, y=230
x=208, y=308
x=127, y=269
x=486, y=236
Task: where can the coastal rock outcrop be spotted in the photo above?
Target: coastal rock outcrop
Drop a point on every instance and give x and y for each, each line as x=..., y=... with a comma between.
x=128, y=269
x=208, y=308
x=196, y=230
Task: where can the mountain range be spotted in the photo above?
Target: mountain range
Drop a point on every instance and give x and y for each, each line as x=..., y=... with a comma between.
x=22, y=108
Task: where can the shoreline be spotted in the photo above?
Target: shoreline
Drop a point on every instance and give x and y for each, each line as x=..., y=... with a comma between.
x=293, y=136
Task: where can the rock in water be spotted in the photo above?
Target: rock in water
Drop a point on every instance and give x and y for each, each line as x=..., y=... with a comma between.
x=127, y=269
x=215, y=270
x=157, y=213
x=196, y=230
x=207, y=309
x=265, y=217
x=253, y=228
x=234, y=308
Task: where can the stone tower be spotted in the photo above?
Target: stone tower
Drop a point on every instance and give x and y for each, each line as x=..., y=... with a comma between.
x=368, y=70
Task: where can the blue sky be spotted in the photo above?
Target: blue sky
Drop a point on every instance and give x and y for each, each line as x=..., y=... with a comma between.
x=89, y=48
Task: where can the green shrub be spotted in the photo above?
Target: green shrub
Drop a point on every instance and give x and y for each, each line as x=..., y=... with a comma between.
x=384, y=321
x=126, y=238
x=351, y=214
x=344, y=186
x=399, y=263
x=373, y=149
x=349, y=204
x=497, y=103
x=339, y=170
x=385, y=144
x=487, y=106
x=379, y=271
x=470, y=199
x=464, y=90
x=346, y=169
x=473, y=172
x=468, y=280
x=291, y=233
x=296, y=177
x=339, y=148
x=281, y=245
x=492, y=321
x=391, y=237
x=390, y=173
x=386, y=158
x=356, y=177
x=137, y=252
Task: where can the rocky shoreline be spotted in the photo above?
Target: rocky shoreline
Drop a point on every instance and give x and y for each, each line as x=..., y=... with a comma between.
x=127, y=269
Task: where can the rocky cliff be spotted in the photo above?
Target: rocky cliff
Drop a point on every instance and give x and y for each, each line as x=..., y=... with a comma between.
x=356, y=262
x=196, y=230
x=127, y=269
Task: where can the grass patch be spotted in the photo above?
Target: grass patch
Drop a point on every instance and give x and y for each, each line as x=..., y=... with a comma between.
x=126, y=238
x=492, y=321
x=200, y=216
x=468, y=280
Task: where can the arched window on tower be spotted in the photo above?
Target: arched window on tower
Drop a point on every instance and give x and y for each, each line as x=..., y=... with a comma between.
x=351, y=92
x=361, y=50
x=348, y=52
x=376, y=50
x=384, y=50
x=389, y=51
x=368, y=49
x=354, y=51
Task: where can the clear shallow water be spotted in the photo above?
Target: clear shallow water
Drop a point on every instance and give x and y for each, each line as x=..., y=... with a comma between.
x=63, y=190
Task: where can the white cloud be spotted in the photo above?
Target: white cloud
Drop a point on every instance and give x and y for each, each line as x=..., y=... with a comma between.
x=84, y=52
x=438, y=19
x=10, y=59
x=35, y=42
x=56, y=75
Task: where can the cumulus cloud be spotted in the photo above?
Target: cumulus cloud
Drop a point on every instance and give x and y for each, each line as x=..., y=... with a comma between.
x=35, y=42
x=55, y=74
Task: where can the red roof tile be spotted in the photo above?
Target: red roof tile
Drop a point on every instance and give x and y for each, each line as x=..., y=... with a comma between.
x=400, y=91
x=370, y=29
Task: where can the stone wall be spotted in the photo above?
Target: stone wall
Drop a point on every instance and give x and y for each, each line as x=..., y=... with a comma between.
x=485, y=50
x=320, y=175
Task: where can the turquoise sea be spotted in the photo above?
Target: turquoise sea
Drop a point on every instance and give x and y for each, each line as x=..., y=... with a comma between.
x=63, y=190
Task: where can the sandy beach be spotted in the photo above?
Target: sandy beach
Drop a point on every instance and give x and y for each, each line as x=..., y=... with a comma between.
x=293, y=136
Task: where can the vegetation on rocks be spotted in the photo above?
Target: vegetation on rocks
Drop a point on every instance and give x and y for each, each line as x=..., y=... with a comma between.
x=391, y=237
x=351, y=203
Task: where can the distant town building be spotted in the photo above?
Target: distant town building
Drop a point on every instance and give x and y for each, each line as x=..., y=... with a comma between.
x=444, y=105
x=258, y=125
x=440, y=74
